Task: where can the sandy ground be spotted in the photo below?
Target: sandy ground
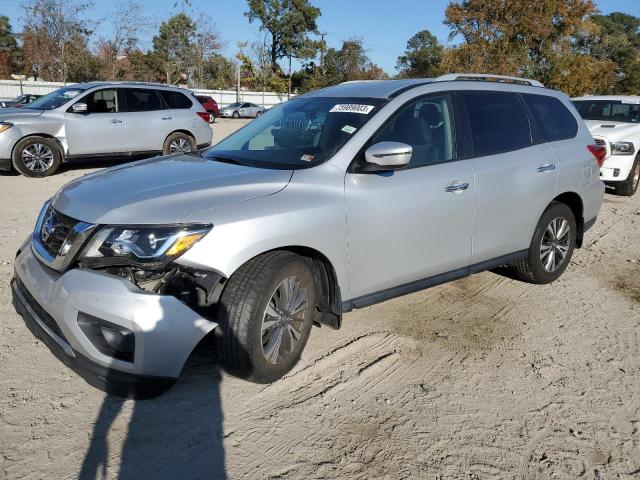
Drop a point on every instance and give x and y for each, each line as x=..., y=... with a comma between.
x=479, y=379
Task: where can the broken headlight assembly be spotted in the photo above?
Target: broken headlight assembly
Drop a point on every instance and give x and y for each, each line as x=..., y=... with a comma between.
x=149, y=247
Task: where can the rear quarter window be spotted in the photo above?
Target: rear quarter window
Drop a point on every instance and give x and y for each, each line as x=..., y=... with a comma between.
x=553, y=118
x=498, y=122
x=176, y=100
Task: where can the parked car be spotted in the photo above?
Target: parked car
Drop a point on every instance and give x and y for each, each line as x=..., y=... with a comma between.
x=335, y=200
x=242, y=109
x=101, y=119
x=209, y=104
x=19, y=101
x=614, y=122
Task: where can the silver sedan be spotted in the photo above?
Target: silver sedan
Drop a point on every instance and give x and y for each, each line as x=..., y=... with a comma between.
x=242, y=109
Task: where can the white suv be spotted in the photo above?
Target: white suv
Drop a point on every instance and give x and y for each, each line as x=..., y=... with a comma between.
x=101, y=119
x=614, y=122
x=335, y=200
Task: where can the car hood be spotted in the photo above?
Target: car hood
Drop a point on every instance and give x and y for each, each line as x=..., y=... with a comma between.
x=164, y=190
x=10, y=113
x=613, y=131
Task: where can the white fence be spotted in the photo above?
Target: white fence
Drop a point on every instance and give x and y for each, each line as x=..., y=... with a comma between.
x=11, y=88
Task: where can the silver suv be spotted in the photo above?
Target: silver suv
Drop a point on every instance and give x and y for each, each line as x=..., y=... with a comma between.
x=332, y=201
x=101, y=119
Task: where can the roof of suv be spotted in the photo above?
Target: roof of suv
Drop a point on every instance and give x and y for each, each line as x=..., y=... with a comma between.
x=125, y=83
x=391, y=88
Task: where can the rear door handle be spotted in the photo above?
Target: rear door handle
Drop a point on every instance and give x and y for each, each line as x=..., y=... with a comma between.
x=116, y=120
x=166, y=118
x=547, y=167
x=457, y=187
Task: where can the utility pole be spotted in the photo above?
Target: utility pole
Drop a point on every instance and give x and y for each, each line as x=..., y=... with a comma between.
x=238, y=85
x=322, y=35
x=289, y=96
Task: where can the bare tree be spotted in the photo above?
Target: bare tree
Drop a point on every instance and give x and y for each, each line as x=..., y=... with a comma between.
x=50, y=27
x=207, y=42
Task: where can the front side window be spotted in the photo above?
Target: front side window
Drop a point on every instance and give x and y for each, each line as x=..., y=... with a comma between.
x=609, y=110
x=299, y=133
x=552, y=117
x=55, y=99
x=142, y=100
x=101, y=101
x=427, y=125
x=498, y=122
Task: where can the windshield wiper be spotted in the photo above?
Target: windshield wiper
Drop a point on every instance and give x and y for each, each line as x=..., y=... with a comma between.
x=223, y=159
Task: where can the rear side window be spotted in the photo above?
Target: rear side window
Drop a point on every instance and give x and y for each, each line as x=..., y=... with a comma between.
x=176, y=99
x=498, y=122
x=142, y=100
x=554, y=119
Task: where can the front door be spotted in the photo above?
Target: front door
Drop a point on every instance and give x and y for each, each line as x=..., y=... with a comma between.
x=411, y=224
x=98, y=130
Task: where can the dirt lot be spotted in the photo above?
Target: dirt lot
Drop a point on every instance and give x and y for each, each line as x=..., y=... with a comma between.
x=479, y=379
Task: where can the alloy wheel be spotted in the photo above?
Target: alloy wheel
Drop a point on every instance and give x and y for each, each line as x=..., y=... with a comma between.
x=37, y=157
x=283, y=321
x=554, y=246
x=179, y=145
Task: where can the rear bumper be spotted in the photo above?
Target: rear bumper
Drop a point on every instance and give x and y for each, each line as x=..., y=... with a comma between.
x=166, y=331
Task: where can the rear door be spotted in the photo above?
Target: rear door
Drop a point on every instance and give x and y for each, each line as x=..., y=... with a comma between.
x=516, y=177
x=98, y=130
x=147, y=122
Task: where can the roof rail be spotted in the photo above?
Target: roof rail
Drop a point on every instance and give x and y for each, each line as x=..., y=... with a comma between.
x=484, y=77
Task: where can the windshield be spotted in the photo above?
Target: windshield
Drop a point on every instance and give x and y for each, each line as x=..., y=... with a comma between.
x=609, y=110
x=234, y=105
x=55, y=99
x=296, y=134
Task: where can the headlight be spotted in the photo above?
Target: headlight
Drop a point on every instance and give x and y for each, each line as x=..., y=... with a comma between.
x=623, y=148
x=144, y=246
x=4, y=126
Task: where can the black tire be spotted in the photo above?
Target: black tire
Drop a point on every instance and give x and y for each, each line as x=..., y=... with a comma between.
x=178, y=140
x=36, y=156
x=236, y=115
x=531, y=269
x=243, y=306
x=628, y=187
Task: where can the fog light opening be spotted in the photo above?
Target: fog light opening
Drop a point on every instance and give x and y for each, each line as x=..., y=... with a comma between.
x=109, y=339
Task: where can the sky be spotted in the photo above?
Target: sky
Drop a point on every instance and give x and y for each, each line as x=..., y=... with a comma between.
x=383, y=25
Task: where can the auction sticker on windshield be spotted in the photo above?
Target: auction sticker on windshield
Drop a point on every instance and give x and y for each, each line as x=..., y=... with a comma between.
x=352, y=108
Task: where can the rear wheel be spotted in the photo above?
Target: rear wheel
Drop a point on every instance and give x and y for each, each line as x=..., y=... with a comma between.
x=36, y=156
x=628, y=187
x=265, y=316
x=179, y=142
x=551, y=247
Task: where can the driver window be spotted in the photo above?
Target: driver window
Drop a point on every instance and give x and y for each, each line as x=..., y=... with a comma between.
x=427, y=125
x=101, y=101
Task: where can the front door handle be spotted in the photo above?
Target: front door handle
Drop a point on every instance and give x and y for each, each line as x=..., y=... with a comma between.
x=166, y=118
x=547, y=167
x=457, y=187
x=116, y=120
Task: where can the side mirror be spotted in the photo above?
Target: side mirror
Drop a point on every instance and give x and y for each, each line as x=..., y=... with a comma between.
x=389, y=155
x=79, y=108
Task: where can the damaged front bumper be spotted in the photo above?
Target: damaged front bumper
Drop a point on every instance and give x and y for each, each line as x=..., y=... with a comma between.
x=165, y=330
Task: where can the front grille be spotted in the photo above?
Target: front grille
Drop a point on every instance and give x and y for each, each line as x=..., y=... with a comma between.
x=55, y=229
x=40, y=312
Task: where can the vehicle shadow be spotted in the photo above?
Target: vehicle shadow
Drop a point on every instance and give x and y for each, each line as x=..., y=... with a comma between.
x=176, y=435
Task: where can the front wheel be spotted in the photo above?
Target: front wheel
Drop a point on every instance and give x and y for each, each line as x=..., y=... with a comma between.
x=551, y=247
x=236, y=115
x=265, y=316
x=36, y=156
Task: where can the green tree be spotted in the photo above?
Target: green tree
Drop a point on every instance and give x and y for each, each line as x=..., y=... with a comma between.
x=219, y=72
x=423, y=56
x=9, y=51
x=350, y=63
x=174, y=46
x=289, y=23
